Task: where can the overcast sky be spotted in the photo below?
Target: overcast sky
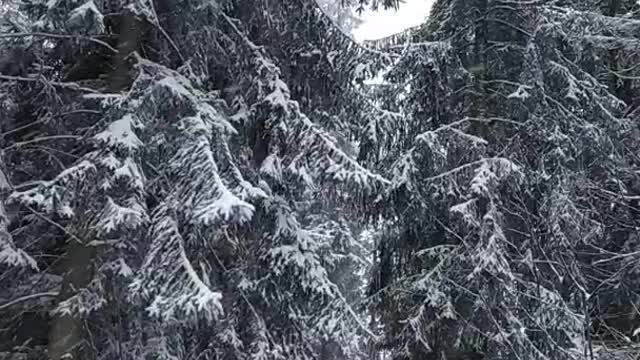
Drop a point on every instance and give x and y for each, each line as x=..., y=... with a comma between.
x=382, y=23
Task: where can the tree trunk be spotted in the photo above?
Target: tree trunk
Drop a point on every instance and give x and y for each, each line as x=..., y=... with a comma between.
x=66, y=331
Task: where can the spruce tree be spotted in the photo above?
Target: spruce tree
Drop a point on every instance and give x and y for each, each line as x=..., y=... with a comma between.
x=508, y=138
x=203, y=207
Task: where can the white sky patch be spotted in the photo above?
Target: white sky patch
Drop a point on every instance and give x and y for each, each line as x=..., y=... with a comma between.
x=381, y=23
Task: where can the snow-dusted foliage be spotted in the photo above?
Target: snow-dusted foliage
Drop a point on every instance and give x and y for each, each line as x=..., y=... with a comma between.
x=203, y=201
x=10, y=255
x=223, y=179
x=342, y=13
x=509, y=146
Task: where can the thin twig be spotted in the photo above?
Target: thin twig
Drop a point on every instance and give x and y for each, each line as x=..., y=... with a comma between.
x=28, y=297
x=66, y=85
x=22, y=127
x=156, y=23
x=59, y=226
x=41, y=139
x=60, y=36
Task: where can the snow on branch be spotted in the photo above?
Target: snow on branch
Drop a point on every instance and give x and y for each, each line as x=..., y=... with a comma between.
x=120, y=133
x=337, y=163
x=9, y=254
x=318, y=149
x=168, y=280
x=194, y=167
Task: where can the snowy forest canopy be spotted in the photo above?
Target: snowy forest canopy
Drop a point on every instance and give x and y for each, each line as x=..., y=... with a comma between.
x=221, y=179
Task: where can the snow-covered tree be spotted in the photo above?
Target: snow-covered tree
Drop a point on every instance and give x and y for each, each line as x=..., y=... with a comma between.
x=343, y=14
x=203, y=180
x=204, y=206
x=506, y=134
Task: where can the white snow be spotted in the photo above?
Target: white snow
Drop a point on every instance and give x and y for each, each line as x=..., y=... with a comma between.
x=110, y=161
x=123, y=268
x=307, y=264
x=246, y=190
x=175, y=86
x=314, y=52
x=226, y=207
x=84, y=302
x=490, y=172
x=279, y=97
x=49, y=196
x=4, y=184
x=362, y=70
x=76, y=171
x=120, y=133
x=475, y=140
x=130, y=170
x=520, y=93
x=467, y=210
x=180, y=292
x=204, y=297
x=271, y=166
x=242, y=114
x=52, y=4
x=208, y=112
x=484, y=179
x=11, y=256
x=382, y=23
x=115, y=216
x=84, y=11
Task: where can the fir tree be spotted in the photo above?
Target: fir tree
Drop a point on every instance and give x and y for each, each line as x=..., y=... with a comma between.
x=198, y=211
x=486, y=245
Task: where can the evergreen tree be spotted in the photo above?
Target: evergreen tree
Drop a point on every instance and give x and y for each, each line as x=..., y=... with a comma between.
x=495, y=234
x=202, y=206
x=204, y=180
x=343, y=14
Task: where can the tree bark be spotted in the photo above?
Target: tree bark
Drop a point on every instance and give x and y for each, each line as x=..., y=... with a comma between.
x=67, y=332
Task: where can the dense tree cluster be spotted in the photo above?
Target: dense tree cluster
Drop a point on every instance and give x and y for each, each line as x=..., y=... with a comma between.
x=224, y=180
x=175, y=181
x=511, y=223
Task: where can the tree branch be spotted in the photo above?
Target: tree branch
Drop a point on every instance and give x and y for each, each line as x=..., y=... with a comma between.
x=65, y=85
x=27, y=298
x=60, y=36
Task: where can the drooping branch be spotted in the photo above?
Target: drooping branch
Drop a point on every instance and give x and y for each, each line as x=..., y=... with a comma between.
x=60, y=36
x=65, y=85
x=27, y=298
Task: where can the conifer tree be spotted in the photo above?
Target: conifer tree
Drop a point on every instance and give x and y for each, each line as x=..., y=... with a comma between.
x=204, y=205
x=507, y=132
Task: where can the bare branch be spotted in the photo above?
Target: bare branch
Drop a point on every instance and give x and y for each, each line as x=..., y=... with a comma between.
x=43, y=138
x=66, y=85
